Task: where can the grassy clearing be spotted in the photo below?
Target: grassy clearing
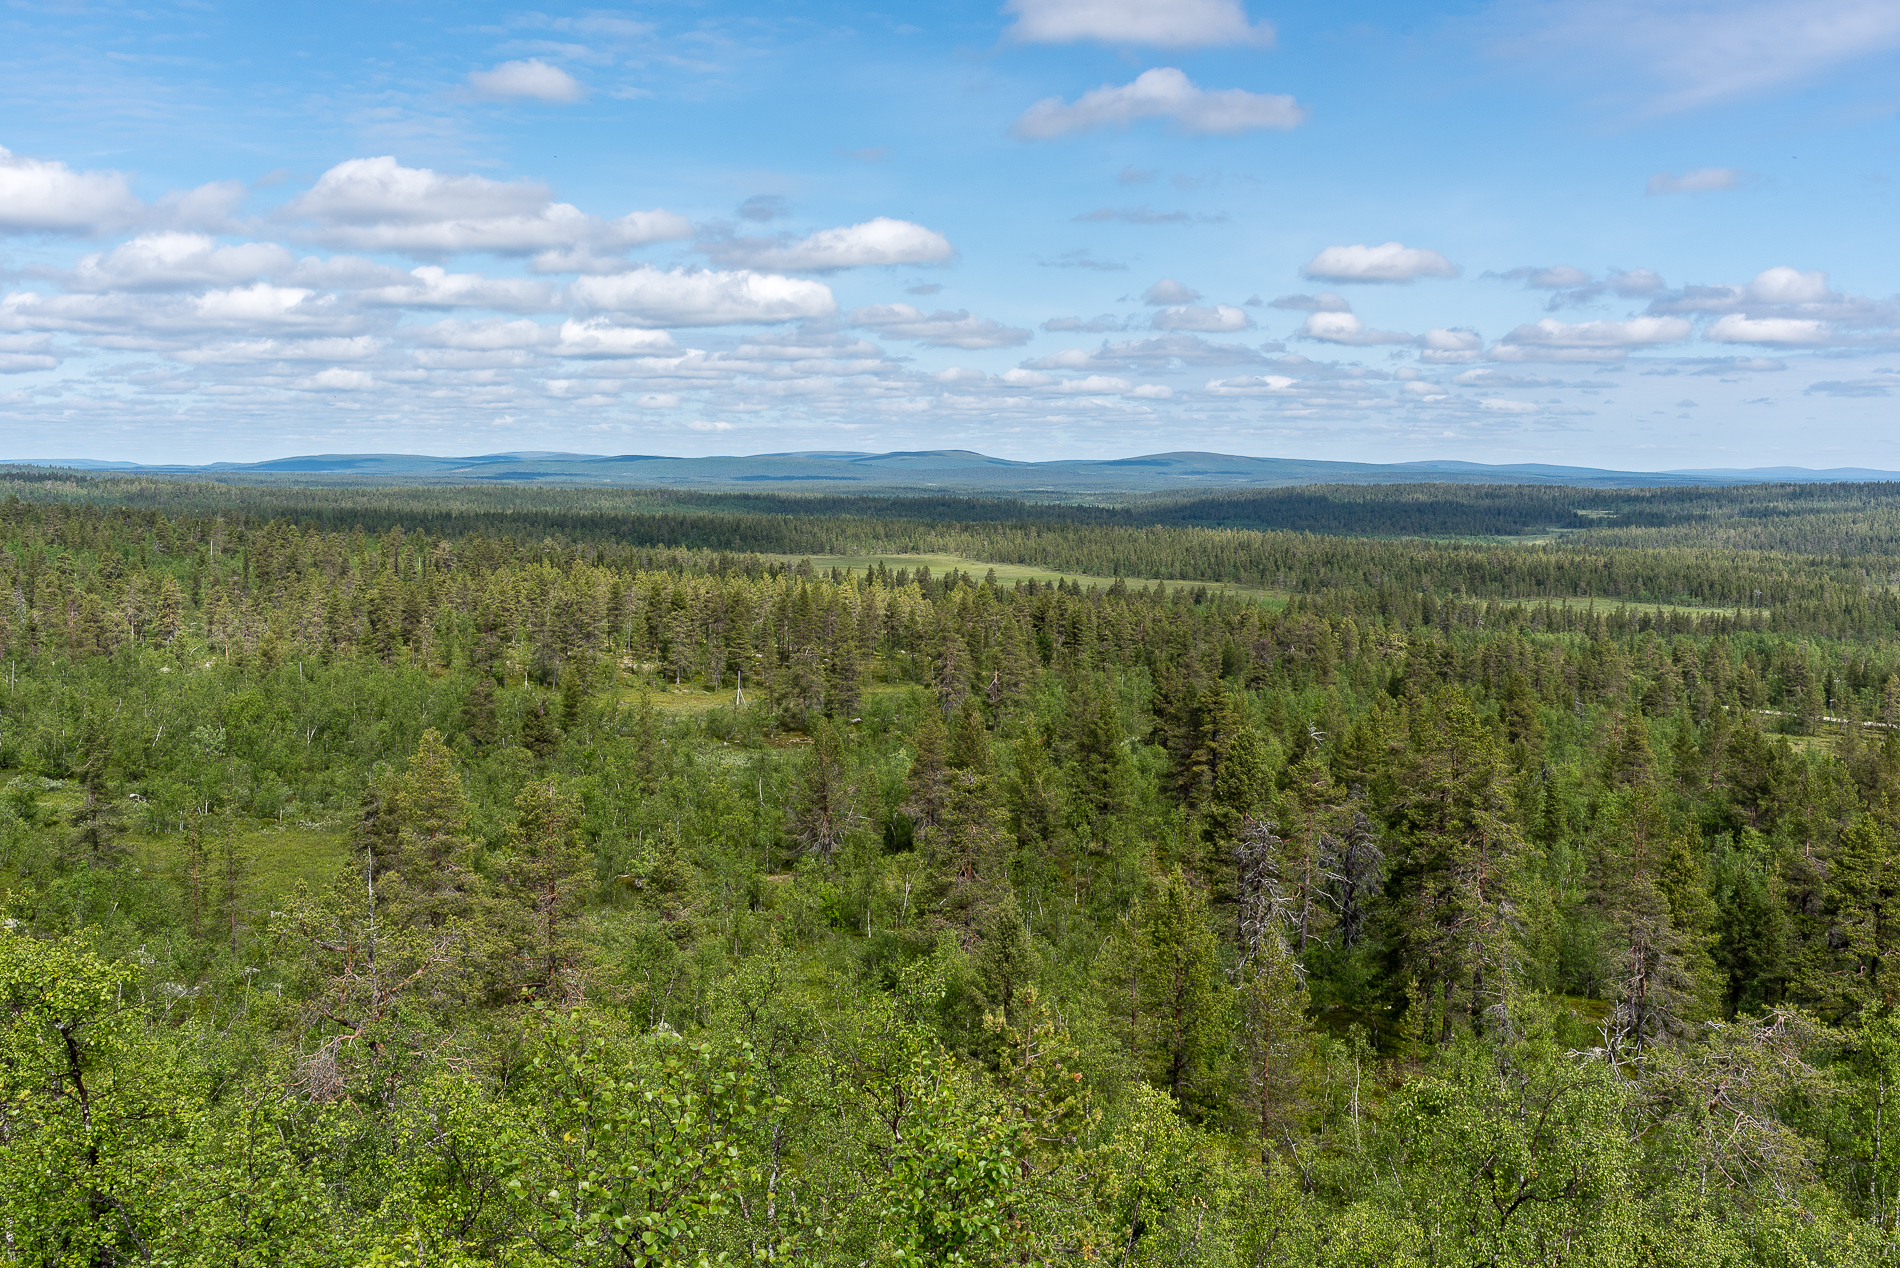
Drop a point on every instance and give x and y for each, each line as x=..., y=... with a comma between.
x=1009, y=574
x=1607, y=606
x=278, y=857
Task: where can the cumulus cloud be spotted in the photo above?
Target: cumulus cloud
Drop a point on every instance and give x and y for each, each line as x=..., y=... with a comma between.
x=1637, y=332
x=1635, y=283
x=1169, y=291
x=1160, y=352
x=1736, y=328
x=648, y=296
x=1076, y=325
x=24, y=354
x=1324, y=302
x=879, y=241
x=1389, y=262
x=600, y=338
x=1220, y=319
x=376, y=204
x=1255, y=385
x=1700, y=180
x=530, y=80
x=1450, y=346
x=1346, y=328
x=1158, y=23
x=255, y=351
x=433, y=287
x=1784, y=285
x=41, y=196
x=168, y=260
x=940, y=329
x=1162, y=93
x=207, y=207
x=1601, y=342
x=1502, y=405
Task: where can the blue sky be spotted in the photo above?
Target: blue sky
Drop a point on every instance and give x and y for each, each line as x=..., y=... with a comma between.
x=1641, y=235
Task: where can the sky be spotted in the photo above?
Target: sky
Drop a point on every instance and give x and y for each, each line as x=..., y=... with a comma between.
x=1641, y=234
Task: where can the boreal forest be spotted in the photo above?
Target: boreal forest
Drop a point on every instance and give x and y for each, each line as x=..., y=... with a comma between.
x=1434, y=875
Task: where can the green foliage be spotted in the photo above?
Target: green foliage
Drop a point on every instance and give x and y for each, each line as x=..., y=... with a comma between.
x=427, y=892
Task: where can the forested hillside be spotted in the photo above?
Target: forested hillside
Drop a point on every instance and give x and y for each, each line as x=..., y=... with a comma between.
x=525, y=878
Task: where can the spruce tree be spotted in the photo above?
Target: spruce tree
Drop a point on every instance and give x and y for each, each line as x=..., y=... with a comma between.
x=98, y=832
x=548, y=873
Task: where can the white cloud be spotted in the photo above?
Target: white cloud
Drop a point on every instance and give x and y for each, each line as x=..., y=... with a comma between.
x=1784, y=285
x=1502, y=405
x=336, y=379
x=598, y=338
x=1557, y=277
x=433, y=287
x=1693, y=53
x=40, y=196
x=1153, y=392
x=254, y=351
x=376, y=204
x=1450, y=346
x=1346, y=328
x=24, y=354
x=1159, y=23
x=1162, y=93
x=939, y=329
x=1637, y=332
x=206, y=207
x=1256, y=385
x=532, y=79
x=879, y=241
x=1095, y=385
x=1736, y=328
x=1635, y=283
x=486, y=334
x=1324, y=302
x=1700, y=180
x=658, y=400
x=703, y=425
x=1389, y=262
x=1169, y=291
x=1221, y=319
x=169, y=260
x=1019, y=377
x=680, y=297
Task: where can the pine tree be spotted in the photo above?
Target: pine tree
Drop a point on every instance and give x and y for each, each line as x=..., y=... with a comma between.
x=1656, y=985
x=1272, y=1033
x=1456, y=863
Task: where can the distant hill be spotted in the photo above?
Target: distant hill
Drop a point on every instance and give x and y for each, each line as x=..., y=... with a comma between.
x=934, y=470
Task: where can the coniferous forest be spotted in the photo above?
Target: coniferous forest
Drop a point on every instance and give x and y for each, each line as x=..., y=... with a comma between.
x=1414, y=876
